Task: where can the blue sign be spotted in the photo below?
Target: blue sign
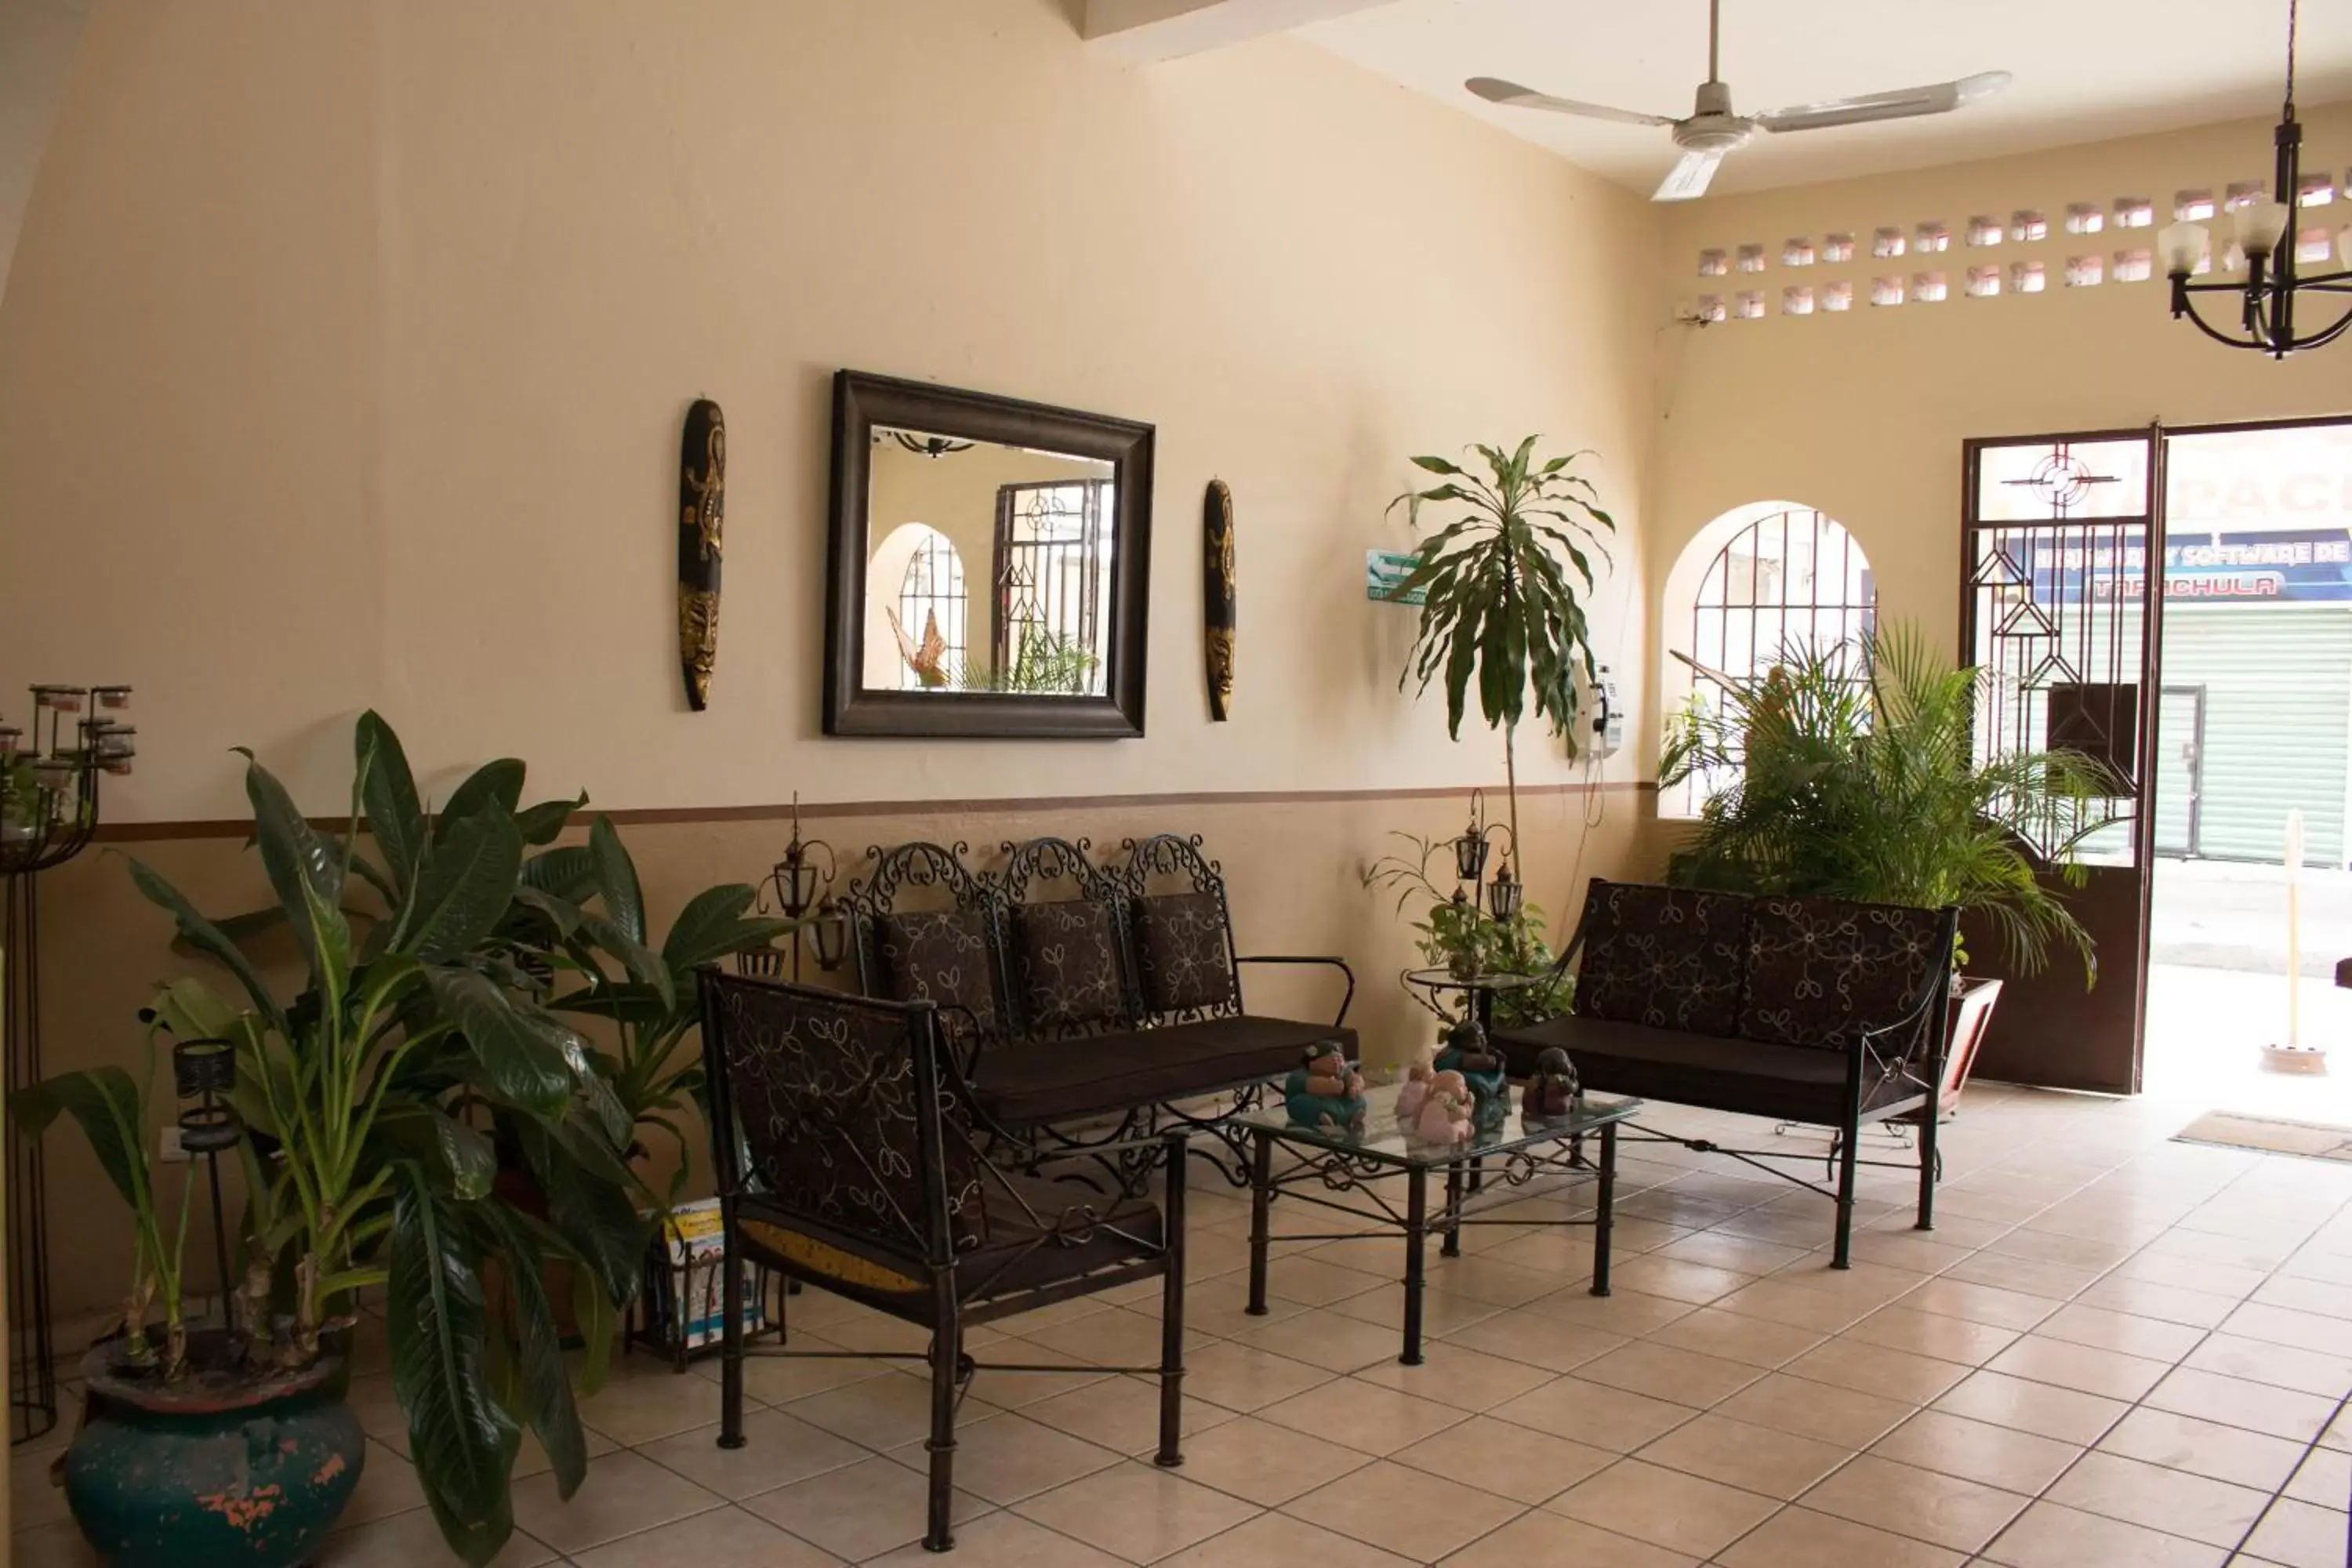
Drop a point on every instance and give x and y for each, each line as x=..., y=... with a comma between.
x=2302, y=566
x=1385, y=571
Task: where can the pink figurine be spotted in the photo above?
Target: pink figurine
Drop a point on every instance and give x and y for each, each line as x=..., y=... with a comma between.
x=1416, y=1092
x=1444, y=1115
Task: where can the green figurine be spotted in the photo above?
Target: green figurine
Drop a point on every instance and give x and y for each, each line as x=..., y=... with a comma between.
x=1483, y=1069
x=1324, y=1090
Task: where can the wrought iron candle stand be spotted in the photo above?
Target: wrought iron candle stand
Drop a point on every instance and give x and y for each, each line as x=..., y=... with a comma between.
x=205, y=1072
x=48, y=811
x=794, y=886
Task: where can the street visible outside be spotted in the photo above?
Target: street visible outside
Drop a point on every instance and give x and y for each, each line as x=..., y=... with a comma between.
x=2218, y=989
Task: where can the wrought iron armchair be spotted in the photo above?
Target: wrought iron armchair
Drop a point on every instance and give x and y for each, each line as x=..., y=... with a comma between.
x=844, y=1158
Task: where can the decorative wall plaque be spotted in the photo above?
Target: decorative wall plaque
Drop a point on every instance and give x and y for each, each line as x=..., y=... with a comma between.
x=1217, y=613
x=701, y=517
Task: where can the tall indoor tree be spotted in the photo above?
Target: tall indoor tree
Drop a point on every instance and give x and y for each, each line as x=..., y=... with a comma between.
x=1500, y=603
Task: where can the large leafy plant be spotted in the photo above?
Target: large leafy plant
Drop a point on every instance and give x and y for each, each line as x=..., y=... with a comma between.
x=583, y=907
x=368, y=1095
x=1851, y=771
x=1501, y=604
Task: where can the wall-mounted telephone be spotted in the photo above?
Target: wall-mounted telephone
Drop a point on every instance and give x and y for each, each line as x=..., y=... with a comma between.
x=1608, y=718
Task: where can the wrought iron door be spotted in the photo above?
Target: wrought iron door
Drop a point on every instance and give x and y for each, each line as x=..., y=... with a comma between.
x=2062, y=538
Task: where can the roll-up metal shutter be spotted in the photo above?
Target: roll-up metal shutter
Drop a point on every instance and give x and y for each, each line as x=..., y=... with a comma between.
x=2276, y=682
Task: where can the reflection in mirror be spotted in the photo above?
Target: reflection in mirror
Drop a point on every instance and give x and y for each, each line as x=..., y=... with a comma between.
x=989, y=567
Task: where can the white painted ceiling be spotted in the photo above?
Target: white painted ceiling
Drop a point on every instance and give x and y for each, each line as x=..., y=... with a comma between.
x=2085, y=70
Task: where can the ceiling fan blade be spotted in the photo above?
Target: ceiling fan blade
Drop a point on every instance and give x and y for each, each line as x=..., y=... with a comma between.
x=1689, y=180
x=1512, y=95
x=1941, y=99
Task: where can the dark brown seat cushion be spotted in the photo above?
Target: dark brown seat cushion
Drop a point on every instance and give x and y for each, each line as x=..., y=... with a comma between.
x=1668, y=957
x=1182, y=951
x=1019, y=1252
x=1068, y=954
x=942, y=956
x=1030, y=1081
x=1822, y=972
x=1752, y=1077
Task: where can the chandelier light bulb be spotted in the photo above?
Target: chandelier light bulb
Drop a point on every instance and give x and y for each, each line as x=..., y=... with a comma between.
x=2184, y=246
x=2261, y=224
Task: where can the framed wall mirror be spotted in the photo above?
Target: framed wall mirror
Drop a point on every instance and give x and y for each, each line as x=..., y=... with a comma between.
x=989, y=566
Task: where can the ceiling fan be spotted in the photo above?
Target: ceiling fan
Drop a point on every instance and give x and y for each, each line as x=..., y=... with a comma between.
x=1711, y=130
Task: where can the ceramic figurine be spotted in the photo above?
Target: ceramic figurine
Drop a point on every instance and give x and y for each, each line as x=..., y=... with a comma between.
x=1415, y=1087
x=1444, y=1115
x=1482, y=1067
x=1553, y=1092
x=1324, y=1090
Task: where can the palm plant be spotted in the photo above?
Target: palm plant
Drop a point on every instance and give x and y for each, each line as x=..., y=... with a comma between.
x=1499, y=603
x=1855, y=776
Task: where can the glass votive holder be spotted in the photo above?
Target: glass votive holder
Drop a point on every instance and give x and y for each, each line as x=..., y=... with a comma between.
x=12, y=740
x=59, y=699
x=114, y=698
x=116, y=743
x=54, y=775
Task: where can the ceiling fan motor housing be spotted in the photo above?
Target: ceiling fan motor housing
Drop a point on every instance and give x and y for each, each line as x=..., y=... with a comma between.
x=1712, y=127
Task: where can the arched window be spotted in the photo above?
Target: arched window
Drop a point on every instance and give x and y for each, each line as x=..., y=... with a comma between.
x=1756, y=581
x=931, y=600
x=917, y=608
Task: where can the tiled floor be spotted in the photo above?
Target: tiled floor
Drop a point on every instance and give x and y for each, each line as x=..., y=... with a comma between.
x=2114, y=1350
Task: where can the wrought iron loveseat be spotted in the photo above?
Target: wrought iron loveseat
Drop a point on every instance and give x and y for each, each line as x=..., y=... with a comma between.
x=1086, y=1003
x=1802, y=1009
x=846, y=1159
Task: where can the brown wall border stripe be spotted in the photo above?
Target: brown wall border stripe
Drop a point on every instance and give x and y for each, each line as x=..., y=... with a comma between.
x=226, y=828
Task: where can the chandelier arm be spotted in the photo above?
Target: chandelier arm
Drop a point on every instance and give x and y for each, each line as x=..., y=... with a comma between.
x=2189, y=314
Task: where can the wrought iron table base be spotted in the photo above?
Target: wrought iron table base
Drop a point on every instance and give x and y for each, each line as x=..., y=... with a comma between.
x=1339, y=1172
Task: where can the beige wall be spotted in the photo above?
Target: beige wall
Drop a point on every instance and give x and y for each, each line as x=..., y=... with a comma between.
x=345, y=352
x=1863, y=414
x=347, y=348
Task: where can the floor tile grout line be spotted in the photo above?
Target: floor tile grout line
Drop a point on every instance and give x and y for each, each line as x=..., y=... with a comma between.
x=2293, y=1471
x=2087, y=1448
x=2093, y=1447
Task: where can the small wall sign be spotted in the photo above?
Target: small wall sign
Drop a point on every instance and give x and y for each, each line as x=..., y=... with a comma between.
x=1384, y=569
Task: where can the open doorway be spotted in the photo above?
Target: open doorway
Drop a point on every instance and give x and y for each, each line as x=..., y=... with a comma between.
x=2253, y=724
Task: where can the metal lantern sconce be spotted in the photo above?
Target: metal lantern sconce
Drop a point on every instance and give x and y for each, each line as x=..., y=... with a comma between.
x=830, y=934
x=1503, y=894
x=798, y=883
x=1472, y=850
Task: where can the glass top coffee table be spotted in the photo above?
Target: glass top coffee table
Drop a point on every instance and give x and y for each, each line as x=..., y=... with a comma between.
x=1337, y=1165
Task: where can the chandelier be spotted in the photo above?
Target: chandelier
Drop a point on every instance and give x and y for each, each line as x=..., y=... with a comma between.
x=2268, y=293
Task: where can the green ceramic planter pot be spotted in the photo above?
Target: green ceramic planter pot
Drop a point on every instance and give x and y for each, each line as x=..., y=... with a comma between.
x=223, y=1469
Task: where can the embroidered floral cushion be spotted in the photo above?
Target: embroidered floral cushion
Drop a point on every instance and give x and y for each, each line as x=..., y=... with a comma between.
x=1179, y=940
x=1823, y=972
x=940, y=956
x=1069, y=963
x=1670, y=957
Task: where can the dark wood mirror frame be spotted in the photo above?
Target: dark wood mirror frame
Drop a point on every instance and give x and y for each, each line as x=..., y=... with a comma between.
x=860, y=403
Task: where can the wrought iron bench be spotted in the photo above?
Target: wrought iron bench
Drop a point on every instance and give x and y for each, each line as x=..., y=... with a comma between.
x=846, y=1159
x=1800, y=1009
x=1087, y=1005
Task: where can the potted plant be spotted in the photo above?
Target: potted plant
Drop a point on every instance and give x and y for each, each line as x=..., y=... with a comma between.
x=1457, y=934
x=363, y=1101
x=1499, y=603
x=1851, y=771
